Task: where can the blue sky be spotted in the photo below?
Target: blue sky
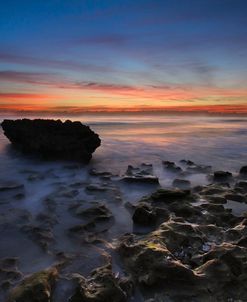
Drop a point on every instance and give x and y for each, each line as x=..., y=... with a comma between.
x=86, y=53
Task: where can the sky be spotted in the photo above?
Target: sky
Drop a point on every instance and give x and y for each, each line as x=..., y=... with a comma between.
x=123, y=55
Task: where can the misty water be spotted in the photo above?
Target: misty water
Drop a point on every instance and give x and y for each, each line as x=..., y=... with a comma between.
x=126, y=140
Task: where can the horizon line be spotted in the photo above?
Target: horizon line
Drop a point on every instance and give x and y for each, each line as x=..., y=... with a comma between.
x=238, y=109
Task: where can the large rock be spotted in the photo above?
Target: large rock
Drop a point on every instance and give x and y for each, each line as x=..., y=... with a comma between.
x=52, y=139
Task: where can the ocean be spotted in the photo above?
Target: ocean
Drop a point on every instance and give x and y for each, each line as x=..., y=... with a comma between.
x=219, y=141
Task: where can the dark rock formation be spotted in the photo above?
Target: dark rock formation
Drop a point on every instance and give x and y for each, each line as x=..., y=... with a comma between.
x=144, y=214
x=222, y=176
x=243, y=171
x=52, y=139
x=171, y=166
x=142, y=174
x=36, y=288
x=102, y=286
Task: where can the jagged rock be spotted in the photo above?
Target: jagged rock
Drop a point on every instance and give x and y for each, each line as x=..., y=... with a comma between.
x=171, y=166
x=142, y=174
x=9, y=272
x=151, y=263
x=98, y=218
x=36, y=288
x=52, y=139
x=102, y=286
x=187, y=162
x=144, y=214
x=42, y=235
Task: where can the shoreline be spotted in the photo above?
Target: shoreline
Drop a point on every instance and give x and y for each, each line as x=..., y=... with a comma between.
x=174, y=234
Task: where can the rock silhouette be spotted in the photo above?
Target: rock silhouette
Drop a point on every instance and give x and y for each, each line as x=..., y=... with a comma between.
x=52, y=139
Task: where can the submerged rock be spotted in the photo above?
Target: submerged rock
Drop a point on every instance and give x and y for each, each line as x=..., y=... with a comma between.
x=52, y=139
x=36, y=288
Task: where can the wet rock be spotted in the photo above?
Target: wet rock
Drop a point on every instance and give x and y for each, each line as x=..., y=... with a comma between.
x=187, y=162
x=144, y=214
x=185, y=257
x=52, y=139
x=242, y=185
x=193, y=168
x=243, y=171
x=78, y=185
x=222, y=176
x=181, y=183
x=142, y=174
x=236, y=197
x=150, y=262
x=9, y=186
x=213, y=189
x=69, y=193
x=224, y=270
x=216, y=199
x=98, y=219
x=97, y=211
x=9, y=272
x=36, y=288
x=96, y=187
x=171, y=166
x=141, y=179
x=39, y=234
x=198, y=169
x=168, y=195
x=102, y=286
x=95, y=172
x=8, y=262
x=184, y=210
x=47, y=219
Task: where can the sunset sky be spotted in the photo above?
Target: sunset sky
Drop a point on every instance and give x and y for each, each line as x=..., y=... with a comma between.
x=185, y=55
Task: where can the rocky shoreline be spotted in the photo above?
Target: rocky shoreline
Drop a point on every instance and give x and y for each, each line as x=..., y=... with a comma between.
x=186, y=242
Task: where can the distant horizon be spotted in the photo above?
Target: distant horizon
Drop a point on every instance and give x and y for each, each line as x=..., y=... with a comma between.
x=73, y=110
